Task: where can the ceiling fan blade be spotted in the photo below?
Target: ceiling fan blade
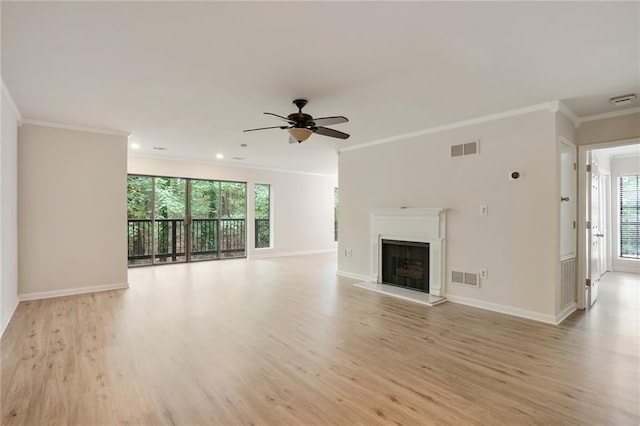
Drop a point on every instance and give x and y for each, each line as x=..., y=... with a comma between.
x=327, y=121
x=264, y=128
x=292, y=140
x=280, y=117
x=325, y=131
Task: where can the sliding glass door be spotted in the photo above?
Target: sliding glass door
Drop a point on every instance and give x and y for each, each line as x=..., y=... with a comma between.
x=170, y=211
x=233, y=212
x=204, y=219
x=140, y=220
x=177, y=220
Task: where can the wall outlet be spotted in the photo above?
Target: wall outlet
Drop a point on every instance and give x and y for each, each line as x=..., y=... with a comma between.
x=484, y=210
x=483, y=273
x=350, y=253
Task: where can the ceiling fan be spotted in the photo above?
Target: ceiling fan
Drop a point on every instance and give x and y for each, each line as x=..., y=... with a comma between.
x=300, y=125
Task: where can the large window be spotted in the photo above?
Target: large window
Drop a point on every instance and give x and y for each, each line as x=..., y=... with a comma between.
x=180, y=220
x=629, y=187
x=262, y=215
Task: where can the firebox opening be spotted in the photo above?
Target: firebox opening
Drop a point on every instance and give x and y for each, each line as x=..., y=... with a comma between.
x=406, y=264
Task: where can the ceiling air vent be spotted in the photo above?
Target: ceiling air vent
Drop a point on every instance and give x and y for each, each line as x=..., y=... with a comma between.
x=623, y=100
x=469, y=148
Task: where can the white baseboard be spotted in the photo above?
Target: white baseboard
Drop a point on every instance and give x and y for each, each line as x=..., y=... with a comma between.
x=291, y=253
x=522, y=313
x=626, y=269
x=358, y=277
x=565, y=313
x=13, y=311
x=71, y=291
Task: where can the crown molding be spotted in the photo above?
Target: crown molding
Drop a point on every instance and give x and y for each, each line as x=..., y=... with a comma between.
x=609, y=115
x=559, y=106
x=547, y=106
x=74, y=127
x=218, y=163
x=7, y=94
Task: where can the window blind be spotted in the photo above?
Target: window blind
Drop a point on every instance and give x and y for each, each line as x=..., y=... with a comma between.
x=629, y=202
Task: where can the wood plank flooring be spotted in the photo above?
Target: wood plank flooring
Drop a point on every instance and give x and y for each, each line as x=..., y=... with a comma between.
x=286, y=342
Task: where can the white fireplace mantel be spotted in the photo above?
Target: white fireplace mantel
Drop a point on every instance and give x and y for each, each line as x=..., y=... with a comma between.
x=426, y=225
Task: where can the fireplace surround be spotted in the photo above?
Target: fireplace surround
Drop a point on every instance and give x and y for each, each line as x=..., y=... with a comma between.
x=419, y=225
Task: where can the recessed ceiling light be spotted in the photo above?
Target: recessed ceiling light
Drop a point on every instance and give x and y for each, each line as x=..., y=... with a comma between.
x=135, y=146
x=219, y=156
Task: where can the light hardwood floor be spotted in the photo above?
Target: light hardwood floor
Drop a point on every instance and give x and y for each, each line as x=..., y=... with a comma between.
x=286, y=342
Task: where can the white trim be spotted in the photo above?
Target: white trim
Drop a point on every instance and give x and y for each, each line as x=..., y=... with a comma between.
x=292, y=253
x=522, y=313
x=564, y=314
x=227, y=164
x=626, y=269
x=455, y=125
x=559, y=106
x=74, y=127
x=610, y=144
x=353, y=276
x=402, y=293
x=13, y=311
x=582, y=242
x=608, y=115
x=7, y=94
x=71, y=291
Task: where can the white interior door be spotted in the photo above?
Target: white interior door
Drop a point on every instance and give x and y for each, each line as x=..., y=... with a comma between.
x=568, y=203
x=594, y=235
x=603, y=216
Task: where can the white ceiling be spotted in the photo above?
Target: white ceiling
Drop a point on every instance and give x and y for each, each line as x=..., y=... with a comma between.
x=191, y=76
x=624, y=151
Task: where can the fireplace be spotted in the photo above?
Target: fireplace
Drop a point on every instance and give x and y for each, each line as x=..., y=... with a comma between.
x=405, y=264
x=415, y=227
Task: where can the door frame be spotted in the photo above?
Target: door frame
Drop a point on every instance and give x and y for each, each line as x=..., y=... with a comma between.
x=583, y=250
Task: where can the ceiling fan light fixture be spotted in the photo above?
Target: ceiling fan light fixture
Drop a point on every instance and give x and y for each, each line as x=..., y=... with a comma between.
x=300, y=134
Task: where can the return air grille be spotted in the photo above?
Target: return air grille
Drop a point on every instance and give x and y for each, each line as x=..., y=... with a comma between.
x=469, y=148
x=465, y=278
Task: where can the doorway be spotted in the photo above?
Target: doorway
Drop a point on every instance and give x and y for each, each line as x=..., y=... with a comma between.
x=609, y=220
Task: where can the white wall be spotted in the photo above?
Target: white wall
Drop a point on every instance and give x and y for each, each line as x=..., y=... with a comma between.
x=302, y=204
x=621, y=167
x=609, y=129
x=517, y=242
x=72, y=211
x=8, y=209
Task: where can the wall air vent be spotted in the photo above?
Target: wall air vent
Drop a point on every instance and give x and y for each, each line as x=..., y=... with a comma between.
x=469, y=148
x=465, y=278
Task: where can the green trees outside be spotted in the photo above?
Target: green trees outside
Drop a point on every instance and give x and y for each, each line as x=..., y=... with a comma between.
x=262, y=205
x=139, y=197
x=218, y=210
